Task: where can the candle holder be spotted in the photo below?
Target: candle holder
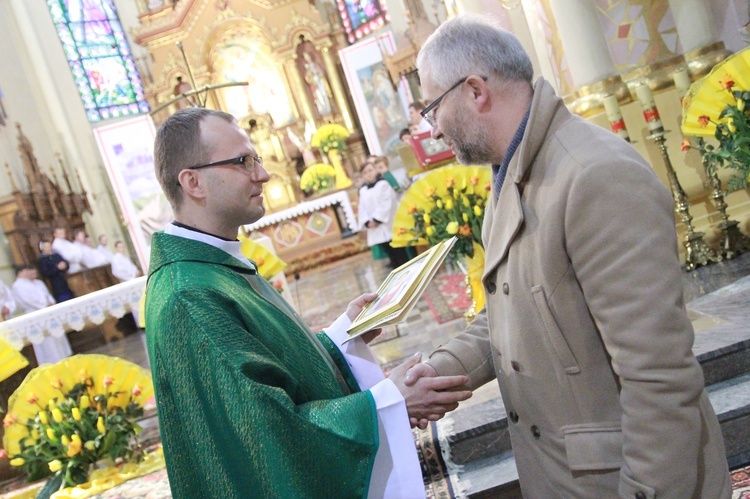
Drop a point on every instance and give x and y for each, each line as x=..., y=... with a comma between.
x=733, y=242
x=697, y=252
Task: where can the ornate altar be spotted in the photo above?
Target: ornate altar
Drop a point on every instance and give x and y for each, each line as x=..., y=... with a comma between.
x=272, y=65
x=38, y=203
x=311, y=232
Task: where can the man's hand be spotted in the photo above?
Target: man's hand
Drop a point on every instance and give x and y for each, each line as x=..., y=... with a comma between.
x=412, y=375
x=62, y=266
x=355, y=307
x=428, y=396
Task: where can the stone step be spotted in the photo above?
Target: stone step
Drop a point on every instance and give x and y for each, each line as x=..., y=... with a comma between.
x=482, y=429
x=487, y=466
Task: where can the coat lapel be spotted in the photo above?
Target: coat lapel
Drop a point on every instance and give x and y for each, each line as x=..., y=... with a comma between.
x=499, y=234
x=505, y=217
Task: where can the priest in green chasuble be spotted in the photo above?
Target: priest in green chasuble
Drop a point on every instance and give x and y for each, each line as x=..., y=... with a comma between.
x=251, y=403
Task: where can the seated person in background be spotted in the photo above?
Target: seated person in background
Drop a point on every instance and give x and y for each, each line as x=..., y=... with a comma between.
x=31, y=294
x=416, y=123
x=123, y=267
x=90, y=257
x=404, y=135
x=7, y=303
x=102, y=248
x=54, y=268
x=69, y=251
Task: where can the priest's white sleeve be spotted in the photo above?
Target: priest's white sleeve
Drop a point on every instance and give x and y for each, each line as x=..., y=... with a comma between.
x=396, y=472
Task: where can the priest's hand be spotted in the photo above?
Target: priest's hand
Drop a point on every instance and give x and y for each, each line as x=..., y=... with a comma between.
x=428, y=397
x=355, y=307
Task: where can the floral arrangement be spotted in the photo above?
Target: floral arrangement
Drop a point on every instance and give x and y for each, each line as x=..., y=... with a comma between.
x=446, y=202
x=67, y=416
x=718, y=106
x=330, y=137
x=318, y=177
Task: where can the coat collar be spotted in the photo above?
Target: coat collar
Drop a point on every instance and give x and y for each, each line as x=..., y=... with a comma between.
x=166, y=249
x=498, y=235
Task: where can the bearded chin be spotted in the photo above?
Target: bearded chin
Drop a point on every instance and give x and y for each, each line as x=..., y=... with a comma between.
x=472, y=154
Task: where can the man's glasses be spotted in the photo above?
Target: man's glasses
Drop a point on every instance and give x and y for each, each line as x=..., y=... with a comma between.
x=428, y=113
x=246, y=162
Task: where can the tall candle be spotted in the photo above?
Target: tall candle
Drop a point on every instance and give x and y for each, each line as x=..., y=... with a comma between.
x=681, y=81
x=650, y=112
x=614, y=115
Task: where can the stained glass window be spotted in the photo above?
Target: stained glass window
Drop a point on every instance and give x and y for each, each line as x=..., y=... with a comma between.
x=361, y=17
x=99, y=57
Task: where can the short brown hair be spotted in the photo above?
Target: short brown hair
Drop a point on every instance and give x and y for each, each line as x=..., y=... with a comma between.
x=179, y=145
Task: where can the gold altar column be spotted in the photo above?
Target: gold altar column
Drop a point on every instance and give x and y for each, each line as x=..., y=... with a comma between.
x=338, y=89
x=583, y=40
x=299, y=88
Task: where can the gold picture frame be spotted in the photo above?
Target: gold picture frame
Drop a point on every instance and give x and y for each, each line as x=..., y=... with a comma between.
x=400, y=291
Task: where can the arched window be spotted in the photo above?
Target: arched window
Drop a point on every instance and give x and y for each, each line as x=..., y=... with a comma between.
x=99, y=57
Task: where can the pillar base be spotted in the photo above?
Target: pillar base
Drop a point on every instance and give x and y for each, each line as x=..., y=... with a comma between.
x=702, y=60
x=588, y=100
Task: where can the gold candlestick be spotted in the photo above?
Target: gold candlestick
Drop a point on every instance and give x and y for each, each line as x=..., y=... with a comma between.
x=697, y=252
x=733, y=242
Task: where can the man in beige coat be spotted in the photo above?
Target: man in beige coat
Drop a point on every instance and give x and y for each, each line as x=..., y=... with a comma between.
x=585, y=327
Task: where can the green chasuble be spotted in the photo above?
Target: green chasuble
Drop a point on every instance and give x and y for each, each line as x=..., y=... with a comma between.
x=250, y=403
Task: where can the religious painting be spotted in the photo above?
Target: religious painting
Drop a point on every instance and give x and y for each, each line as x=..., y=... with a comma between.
x=361, y=17
x=244, y=58
x=382, y=109
x=99, y=57
x=127, y=148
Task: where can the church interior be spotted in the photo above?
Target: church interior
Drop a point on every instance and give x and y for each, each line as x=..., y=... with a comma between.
x=320, y=86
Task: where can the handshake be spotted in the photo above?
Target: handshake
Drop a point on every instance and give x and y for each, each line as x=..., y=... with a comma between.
x=428, y=396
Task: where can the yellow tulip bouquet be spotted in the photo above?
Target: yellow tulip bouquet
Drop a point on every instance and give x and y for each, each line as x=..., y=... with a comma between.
x=446, y=202
x=67, y=416
x=330, y=137
x=318, y=177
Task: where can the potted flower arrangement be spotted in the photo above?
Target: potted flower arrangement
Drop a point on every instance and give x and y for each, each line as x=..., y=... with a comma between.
x=447, y=202
x=66, y=417
x=317, y=178
x=331, y=140
x=330, y=137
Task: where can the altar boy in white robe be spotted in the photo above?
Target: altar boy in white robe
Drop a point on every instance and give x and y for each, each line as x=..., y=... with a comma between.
x=31, y=295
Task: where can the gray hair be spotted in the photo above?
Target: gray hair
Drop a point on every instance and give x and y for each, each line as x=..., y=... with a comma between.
x=179, y=146
x=468, y=44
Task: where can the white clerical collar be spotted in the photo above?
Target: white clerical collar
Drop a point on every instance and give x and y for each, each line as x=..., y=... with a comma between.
x=231, y=247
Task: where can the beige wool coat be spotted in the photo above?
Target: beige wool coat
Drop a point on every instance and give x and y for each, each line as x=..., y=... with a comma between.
x=585, y=327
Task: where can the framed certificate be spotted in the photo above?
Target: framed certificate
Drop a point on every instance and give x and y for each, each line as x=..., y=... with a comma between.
x=400, y=291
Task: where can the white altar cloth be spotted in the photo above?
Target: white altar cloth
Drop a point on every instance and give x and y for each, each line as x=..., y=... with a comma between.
x=73, y=315
x=339, y=197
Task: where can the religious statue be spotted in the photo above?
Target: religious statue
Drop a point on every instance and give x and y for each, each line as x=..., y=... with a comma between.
x=319, y=89
x=181, y=88
x=311, y=68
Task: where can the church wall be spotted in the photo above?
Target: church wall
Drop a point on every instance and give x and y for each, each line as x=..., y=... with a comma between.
x=40, y=94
